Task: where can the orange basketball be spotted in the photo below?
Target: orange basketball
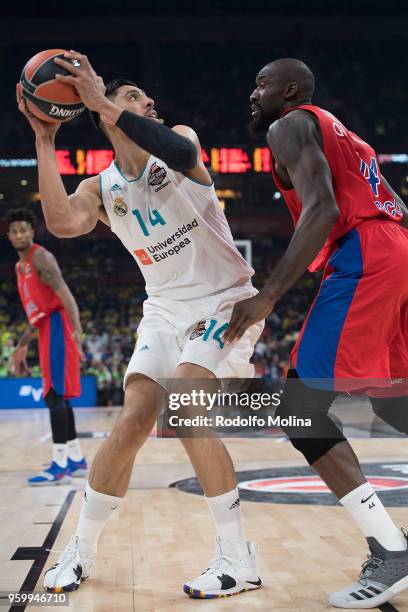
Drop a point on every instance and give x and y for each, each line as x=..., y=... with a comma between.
x=46, y=97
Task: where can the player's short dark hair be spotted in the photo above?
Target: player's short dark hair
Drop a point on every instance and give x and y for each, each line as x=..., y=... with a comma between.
x=110, y=92
x=21, y=214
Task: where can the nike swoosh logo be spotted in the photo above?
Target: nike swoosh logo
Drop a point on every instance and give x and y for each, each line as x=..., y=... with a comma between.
x=363, y=501
x=257, y=583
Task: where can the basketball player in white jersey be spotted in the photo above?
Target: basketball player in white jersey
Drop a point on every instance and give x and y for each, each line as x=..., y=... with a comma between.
x=159, y=199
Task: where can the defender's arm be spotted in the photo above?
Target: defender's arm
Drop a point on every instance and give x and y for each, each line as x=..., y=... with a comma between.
x=296, y=147
x=295, y=144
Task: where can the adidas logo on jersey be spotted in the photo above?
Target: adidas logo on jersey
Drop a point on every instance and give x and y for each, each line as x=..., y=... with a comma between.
x=115, y=187
x=144, y=348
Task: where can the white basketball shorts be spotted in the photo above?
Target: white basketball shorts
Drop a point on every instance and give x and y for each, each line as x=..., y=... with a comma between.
x=173, y=332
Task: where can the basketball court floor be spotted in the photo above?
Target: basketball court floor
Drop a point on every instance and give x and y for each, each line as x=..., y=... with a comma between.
x=162, y=534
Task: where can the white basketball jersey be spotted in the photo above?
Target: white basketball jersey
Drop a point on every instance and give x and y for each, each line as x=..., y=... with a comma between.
x=176, y=231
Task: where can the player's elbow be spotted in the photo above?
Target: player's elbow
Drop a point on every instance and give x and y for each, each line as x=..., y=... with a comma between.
x=326, y=205
x=56, y=230
x=62, y=231
x=331, y=211
x=324, y=210
x=181, y=158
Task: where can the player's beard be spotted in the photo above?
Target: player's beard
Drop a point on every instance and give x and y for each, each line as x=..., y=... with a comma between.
x=258, y=127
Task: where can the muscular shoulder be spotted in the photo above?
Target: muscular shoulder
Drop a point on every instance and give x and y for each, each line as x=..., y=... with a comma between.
x=90, y=185
x=291, y=133
x=187, y=132
x=47, y=268
x=43, y=259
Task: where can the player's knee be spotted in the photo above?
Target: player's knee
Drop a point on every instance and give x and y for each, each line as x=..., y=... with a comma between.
x=55, y=401
x=392, y=410
x=133, y=427
x=314, y=449
x=304, y=416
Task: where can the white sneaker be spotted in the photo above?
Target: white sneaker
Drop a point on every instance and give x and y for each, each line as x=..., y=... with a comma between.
x=230, y=573
x=73, y=565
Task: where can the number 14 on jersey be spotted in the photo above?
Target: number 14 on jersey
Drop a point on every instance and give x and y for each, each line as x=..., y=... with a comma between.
x=155, y=218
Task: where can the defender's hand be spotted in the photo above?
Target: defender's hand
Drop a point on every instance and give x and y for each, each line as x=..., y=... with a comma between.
x=42, y=129
x=246, y=313
x=88, y=84
x=77, y=335
x=18, y=360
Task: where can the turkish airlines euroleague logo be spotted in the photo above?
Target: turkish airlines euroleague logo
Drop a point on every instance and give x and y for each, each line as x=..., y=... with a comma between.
x=143, y=257
x=301, y=485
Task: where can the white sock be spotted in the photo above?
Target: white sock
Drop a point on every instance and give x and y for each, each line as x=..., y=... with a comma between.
x=59, y=454
x=95, y=510
x=226, y=512
x=74, y=450
x=370, y=515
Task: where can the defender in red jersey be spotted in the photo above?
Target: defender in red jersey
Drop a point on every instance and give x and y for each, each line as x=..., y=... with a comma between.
x=350, y=223
x=53, y=314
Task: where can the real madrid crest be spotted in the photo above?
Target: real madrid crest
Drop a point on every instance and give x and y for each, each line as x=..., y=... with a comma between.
x=120, y=207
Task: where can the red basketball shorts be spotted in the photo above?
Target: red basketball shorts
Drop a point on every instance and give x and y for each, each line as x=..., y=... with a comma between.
x=59, y=357
x=355, y=335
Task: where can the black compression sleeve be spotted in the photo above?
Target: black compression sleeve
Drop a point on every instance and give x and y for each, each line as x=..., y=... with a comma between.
x=178, y=152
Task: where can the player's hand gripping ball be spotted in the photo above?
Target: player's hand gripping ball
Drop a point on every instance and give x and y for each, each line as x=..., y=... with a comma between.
x=46, y=97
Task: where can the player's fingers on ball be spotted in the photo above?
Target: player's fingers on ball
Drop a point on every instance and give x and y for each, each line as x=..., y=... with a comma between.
x=66, y=79
x=69, y=66
x=74, y=55
x=18, y=92
x=83, y=59
x=22, y=107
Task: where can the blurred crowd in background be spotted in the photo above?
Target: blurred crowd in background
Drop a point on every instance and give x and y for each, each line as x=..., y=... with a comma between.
x=109, y=290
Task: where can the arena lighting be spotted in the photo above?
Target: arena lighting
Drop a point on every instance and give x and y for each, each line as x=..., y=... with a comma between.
x=220, y=160
x=35, y=196
x=228, y=193
x=18, y=163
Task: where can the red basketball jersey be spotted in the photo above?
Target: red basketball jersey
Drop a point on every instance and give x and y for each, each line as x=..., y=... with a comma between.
x=38, y=299
x=356, y=177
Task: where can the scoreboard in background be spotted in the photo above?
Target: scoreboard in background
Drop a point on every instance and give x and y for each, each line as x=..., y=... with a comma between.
x=220, y=160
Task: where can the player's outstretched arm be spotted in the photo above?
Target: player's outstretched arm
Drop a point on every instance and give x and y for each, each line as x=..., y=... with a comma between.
x=49, y=272
x=177, y=151
x=65, y=216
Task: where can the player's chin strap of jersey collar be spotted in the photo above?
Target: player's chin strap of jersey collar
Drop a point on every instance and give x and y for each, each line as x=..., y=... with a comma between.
x=178, y=152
